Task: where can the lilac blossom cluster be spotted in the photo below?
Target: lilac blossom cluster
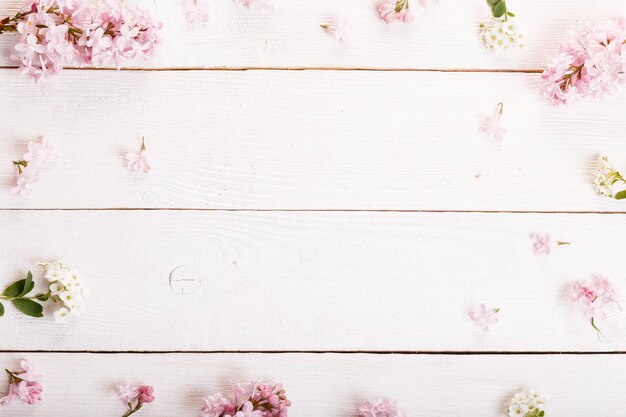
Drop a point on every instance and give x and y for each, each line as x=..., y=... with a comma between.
x=253, y=400
x=591, y=63
x=58, y=33
x=380, y=408
x=23, y=385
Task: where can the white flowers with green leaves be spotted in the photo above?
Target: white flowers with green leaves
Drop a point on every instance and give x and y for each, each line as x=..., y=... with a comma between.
x=526, y=403
x=501, y=31
x=65, y=290
x=608, y=181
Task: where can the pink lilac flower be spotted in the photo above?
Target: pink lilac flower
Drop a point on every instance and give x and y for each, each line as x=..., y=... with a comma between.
x=591, y=63
x=391, y=10
x=379, y=408
x=256, y=4
x=39, y=154
x=135, y=397
x=491, y=125
x=58, y=33
x=197, y=11
x=138, y=161
x=23, y=386
x=23, y=186
x=253, y=400
x=28, y=168
x=542, y=243
x=594, y=298
x=340, y=31
x=483, y=318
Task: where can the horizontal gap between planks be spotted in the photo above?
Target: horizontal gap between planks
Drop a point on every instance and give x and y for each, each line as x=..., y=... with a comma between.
x=372, y=69
x=279, y=210
x=322, y=352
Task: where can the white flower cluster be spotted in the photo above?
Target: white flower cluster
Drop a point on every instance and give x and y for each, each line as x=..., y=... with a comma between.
x=526, y=403
x=65, y=288
x=606, y=177
x=500, y=34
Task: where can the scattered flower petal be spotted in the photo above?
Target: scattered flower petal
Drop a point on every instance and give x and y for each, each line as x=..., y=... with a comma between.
x=491, y=125
x=483, y=318
x=340, y=31
x=138, y=161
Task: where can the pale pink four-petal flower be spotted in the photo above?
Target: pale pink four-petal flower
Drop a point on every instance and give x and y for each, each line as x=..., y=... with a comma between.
x=483, y=317
x=491, y=125
x=138, y=161
x=341, y=31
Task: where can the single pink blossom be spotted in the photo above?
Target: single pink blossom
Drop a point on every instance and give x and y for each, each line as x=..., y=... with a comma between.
x=29, y=391
x=40, y=153
x=594, y=298
x=23, y=386
x=379, y=408
x=483, y=318
x=340, y=31
x=542, y=243
x=391, y=10
x=23, y=185
x=248, y=411
x=127, y=394
x=138, y=161
x=146, y=394
x=197, y=11
x=491, y=125
x=213, y=405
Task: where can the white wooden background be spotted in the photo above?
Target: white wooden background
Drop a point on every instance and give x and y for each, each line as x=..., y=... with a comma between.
x=351, y=208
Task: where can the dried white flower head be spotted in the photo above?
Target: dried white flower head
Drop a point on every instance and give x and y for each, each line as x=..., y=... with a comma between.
x=499, y=34
x=526, y=403
x=606, y=179
x=65, y=288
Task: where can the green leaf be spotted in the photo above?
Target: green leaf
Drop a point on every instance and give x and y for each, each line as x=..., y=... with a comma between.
x=510, y=14
x=499, y=9
x=1, y=310
x=43, y=297
x=28, y=284
x=15, y=289
x=492, y=3
x=621, y=195
x=28, y=307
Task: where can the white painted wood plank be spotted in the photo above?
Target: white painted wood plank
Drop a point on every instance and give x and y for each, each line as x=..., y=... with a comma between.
x=444, y=37
x=330, y=385
x=315, y=281
x=308, y=140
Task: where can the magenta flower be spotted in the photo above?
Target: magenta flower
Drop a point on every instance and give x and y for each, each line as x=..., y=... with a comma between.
x=594, y=298
x=483, y=318
x=543, y=242
x=135, y=397
x=491, y=125
x=138, y=161
x=23, y=386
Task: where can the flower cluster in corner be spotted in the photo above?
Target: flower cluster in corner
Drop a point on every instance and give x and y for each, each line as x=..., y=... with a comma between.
x=379, y=408
x=138, y=161
x=607, y=181
x=58, y=33
x=543, y=242
x=591, y=63
x=594, y=298
x=252, y=400
x=484, y=317
x=491, y=125
x=28, y=168
x=500, y=32
x=65, y=290
x=135, y=397
x=24, y=385
x=526, y=403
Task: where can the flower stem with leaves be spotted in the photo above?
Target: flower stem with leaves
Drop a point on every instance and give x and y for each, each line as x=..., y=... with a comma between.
x=17, y=292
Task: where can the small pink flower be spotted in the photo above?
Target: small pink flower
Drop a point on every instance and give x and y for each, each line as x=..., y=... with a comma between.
x=379, y=408
x=491, y=125
x=340, y=31
x=23, y=386
x=40, y=153
x=23, y=185
x=248, y=411
x=197, y=11
x=483, y=318
x=542, y=243
x=138, y=161
x=126, y=393
x=594, y=298
x=146, y=394
x=391, y=10
x=256, y=4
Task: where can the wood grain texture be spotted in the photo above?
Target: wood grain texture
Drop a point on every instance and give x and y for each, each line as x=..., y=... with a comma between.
x=314, y=281
x=444, y=37
x=330, y=385
x=308, y=140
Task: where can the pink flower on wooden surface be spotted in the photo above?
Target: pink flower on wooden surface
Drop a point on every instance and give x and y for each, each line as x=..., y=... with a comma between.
x=23, y=186
x=543, y=242
x=341, y=31
x=256, y=4
x=145, y=394
x=23, y=385
x=379, y=408
x=138, y=161
x=40, y=153
x=252, y=400
x=484, y=317
x=491, y=125
x=135, y=397
x=594, y=299
x=197, y=11
x=391, y=10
